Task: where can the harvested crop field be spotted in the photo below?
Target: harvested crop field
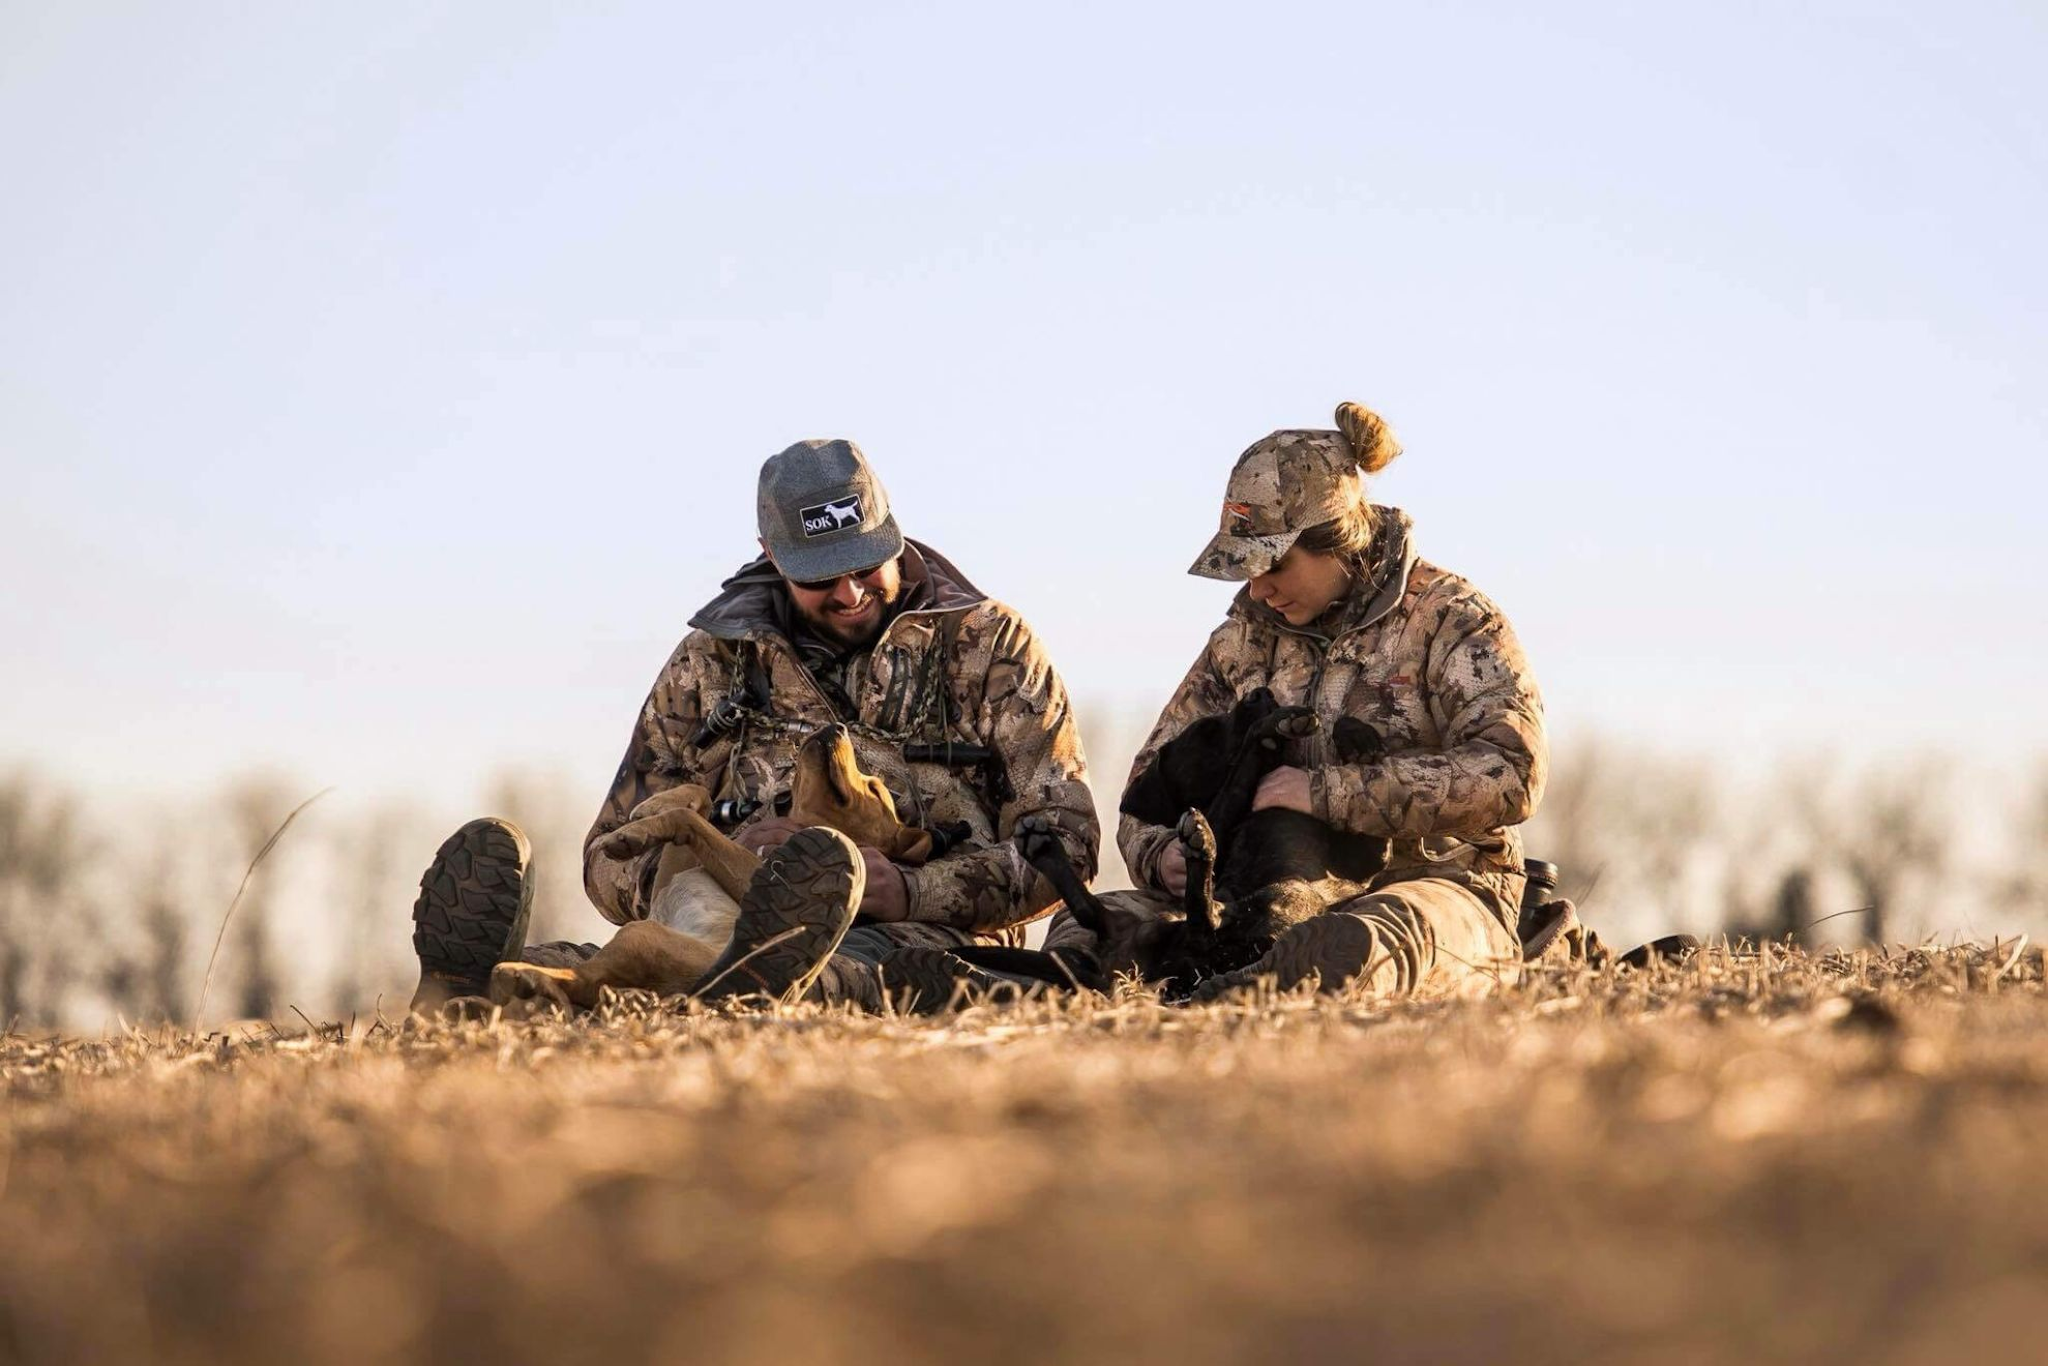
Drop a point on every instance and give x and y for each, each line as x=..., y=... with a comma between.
x=1786, y=1159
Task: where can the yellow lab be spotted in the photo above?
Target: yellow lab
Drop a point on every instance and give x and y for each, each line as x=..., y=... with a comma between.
x=703, y=874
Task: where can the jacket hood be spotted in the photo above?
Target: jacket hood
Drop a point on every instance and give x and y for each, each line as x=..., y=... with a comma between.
x=1373, y=594
x=753, y=601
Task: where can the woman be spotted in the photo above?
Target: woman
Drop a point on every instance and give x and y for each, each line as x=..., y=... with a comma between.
x=1338, y=614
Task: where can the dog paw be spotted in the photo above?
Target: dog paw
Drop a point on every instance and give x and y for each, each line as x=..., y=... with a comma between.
x=1289, y=723
x=528, y=987
x=1299, y=727
x=647, y=832
x=1196, y=837
x=1038, y=842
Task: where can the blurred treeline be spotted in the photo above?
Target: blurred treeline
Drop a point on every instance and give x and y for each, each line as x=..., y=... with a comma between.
x=109, y=913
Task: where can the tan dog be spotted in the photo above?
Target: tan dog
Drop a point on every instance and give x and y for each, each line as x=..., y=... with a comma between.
x=703, y=876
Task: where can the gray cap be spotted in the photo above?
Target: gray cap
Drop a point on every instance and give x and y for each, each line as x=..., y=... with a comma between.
x=823, y=512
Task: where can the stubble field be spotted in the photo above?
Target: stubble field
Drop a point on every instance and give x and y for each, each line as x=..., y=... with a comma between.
x=1777, y=1159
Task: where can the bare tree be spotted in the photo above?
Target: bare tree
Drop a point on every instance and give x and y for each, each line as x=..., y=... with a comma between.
x=161, y=986
x=2021, y=886
x=1635, y=828
x=374, y=864
x=1786, y=918
x=43, y=848
x=1884, y=828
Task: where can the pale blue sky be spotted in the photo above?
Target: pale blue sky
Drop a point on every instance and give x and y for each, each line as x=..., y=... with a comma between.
x=382, y=386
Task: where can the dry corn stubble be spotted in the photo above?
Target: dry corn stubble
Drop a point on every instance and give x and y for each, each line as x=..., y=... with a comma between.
x=1782, y=1159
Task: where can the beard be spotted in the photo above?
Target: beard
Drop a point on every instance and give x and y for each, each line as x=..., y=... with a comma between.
x=860, y=631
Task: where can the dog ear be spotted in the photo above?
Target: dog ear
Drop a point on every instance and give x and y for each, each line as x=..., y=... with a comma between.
x=912, y=846
x=1367, y=434
x=1355, y=741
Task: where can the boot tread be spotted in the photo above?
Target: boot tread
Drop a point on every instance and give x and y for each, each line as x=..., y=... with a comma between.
x=473, y=904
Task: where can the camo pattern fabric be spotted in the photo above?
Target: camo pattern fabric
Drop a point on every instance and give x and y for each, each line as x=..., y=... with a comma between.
x=1426, y=934
x=952, y=665
x=1281, y=484
x=1424, y=658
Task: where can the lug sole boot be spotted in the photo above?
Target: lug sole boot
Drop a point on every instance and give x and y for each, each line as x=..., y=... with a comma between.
x=471, y=915
x=796, y=910
x=1331, y=948
x=928, y=981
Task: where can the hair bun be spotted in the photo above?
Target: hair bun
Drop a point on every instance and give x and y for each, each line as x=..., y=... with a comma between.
x=1366, y=432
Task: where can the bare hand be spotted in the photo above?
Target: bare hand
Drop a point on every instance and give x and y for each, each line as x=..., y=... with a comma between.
x=887, y=898
x=1286, y=789
x=1173, y=868
x=762, y=836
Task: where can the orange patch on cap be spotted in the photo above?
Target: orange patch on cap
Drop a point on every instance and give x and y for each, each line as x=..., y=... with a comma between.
x=1241, y=512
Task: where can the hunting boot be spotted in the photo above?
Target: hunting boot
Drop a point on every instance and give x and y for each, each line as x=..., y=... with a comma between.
x=926, y=981
x=472, y=911
x=1332, y=948
x=795, y=912
x=846, y=981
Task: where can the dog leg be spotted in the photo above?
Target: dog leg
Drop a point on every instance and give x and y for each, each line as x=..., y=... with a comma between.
x=646, y=956
x=643, y=956
x=525, y=986
x=1198, y=845
x=1257, y=755
x=731, y=866
x=1042, y=850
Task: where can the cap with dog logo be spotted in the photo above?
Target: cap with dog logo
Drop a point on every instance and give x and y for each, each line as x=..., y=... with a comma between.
x=1286, y=483
x=823, y=513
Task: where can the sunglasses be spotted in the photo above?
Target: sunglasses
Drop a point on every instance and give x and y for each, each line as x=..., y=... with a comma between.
x=866, y=576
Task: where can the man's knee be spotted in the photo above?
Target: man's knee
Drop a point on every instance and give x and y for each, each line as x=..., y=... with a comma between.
x=870, y=944
x=1436, y=933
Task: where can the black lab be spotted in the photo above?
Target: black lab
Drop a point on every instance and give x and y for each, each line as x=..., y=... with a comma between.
x=1251, y=874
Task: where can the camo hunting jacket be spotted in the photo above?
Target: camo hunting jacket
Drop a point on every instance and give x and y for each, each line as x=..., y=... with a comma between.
x=1425, y=659
x=951, y=665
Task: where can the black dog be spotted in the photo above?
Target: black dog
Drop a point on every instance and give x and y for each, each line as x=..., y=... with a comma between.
x=1251, y=874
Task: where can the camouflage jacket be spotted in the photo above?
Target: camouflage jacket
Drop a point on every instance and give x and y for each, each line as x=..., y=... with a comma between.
x=951, y=664
x=1429, y=663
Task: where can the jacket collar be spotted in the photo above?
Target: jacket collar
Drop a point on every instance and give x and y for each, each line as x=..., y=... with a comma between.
x=753, y=602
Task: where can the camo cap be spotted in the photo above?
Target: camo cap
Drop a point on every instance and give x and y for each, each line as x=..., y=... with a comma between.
x=1290, y=481
x=1283, y=485
x=823, y=513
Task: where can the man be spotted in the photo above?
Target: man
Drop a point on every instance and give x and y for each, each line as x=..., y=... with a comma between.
x=841, y=620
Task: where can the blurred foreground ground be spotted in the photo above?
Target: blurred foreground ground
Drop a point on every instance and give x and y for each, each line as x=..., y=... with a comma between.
x=1782, y=1160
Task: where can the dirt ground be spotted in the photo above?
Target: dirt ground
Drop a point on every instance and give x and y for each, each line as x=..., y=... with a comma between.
x=1778, y=1159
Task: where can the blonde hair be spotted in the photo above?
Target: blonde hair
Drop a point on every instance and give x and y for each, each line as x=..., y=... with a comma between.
x=1373, y=448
